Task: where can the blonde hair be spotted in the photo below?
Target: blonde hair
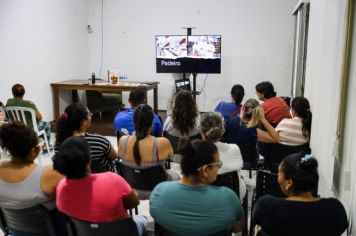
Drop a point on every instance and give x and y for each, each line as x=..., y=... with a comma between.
x=252, y=112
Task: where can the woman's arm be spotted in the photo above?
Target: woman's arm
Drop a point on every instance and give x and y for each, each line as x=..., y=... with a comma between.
x=165, y=150
x=120, y=144
x=271, y=136
x=49, y=180
x=131, y=201
x=112, y=154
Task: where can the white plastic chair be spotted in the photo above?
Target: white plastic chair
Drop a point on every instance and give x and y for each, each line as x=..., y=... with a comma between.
x=2, y=151
x=19, y=114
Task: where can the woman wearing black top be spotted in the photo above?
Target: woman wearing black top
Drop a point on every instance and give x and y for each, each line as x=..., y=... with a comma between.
x=300, y=213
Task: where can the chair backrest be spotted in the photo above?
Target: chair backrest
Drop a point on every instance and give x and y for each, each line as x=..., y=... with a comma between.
x=3, y=226
x=142, y=179
x=162, y=231
x=174, y=140
x=126, y=227
x=24, y=114
x=35, y=220
x=267, y=183
x=249, y=152
x=277, y=152
x=230, y=180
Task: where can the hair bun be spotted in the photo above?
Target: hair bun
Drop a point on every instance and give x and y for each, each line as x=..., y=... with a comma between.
x=308, y=161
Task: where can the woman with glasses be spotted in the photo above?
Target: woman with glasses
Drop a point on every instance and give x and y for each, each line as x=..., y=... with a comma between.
x=191, y=206
x=75, y=121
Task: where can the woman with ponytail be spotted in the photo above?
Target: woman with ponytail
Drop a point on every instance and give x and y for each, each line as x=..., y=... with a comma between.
x=75, y=121
x=302, y=212
x=296, y=130
x=233, y=107
x=191, y=206
x=141, y=149
x=245, y=132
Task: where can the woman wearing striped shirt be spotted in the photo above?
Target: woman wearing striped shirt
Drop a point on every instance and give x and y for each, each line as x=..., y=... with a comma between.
x=296, y=130
x=75, y=121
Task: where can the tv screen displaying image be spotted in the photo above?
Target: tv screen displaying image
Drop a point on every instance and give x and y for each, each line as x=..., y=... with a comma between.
x=188, y=54
x=171, y=46
x=204, y=46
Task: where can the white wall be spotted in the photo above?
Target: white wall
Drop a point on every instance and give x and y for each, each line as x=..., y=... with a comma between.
x=257, y=41
x=42, y=41
x=323, y=74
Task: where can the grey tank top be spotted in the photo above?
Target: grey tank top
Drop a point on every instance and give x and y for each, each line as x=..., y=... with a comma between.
x=26, y=193
x=143, y=165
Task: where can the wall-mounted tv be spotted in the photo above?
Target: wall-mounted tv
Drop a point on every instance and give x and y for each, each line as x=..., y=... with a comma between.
x=188, y=54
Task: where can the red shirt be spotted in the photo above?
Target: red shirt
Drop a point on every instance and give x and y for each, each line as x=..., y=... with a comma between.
x=96, y=198
x=275, y=109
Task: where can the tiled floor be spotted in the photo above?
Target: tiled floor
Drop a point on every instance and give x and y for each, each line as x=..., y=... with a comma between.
x=143, y=208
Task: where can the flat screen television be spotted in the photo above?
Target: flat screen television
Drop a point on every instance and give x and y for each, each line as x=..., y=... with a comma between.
x=188, y=54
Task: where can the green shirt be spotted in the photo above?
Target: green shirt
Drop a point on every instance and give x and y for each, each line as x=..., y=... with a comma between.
x=194, y=210
x=19, y=102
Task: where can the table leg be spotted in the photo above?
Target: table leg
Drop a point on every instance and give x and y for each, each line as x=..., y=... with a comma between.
x=56, y=103
x=155, y=100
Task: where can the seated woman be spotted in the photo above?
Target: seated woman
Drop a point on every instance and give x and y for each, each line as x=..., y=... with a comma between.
x=184, y=121
x=141, y=149
x=24, y=183
x=75, y=121
x=296, y=130
x=300, y=213
x=245, y=132
x=102, y=197
x=191, y=206
x=212, y=129
x=233, y=107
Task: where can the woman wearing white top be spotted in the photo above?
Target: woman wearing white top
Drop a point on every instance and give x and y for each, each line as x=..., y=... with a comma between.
x=212, y=129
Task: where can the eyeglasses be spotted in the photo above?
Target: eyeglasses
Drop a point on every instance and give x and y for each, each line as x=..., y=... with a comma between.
x=218, y=164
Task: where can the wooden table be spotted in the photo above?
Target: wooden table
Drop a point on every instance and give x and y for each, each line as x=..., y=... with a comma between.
x=75, y=85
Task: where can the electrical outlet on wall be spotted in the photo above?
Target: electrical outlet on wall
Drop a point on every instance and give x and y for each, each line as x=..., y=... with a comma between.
x=89, y=29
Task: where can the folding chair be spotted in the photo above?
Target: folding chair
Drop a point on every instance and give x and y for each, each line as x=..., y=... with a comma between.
x=277, y=152
x=125, y=227
x=3, y=226
x=231, y=180
x=162, y=231
x=266, y=183
x=34, y=220
x=142, y=179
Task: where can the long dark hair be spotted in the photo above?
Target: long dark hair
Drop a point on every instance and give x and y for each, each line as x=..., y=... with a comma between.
x=302, y=108
x=143, y=118
x=70, y=121
x=185, y=112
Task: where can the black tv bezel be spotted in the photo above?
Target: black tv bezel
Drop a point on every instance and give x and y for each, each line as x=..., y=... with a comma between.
x=190, y=64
